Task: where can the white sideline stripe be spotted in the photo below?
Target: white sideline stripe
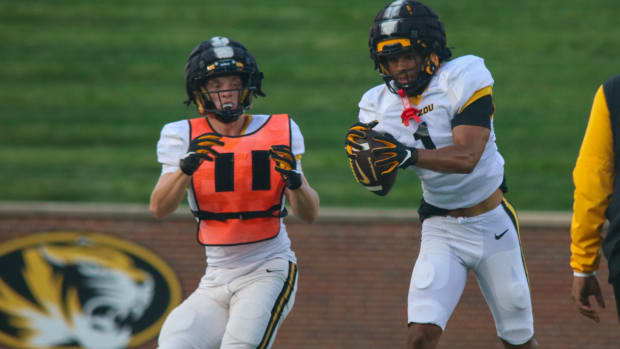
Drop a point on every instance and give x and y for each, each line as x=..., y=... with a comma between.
x=532, y=219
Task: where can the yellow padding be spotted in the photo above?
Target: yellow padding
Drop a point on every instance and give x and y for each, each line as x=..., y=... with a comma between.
x=403, y=42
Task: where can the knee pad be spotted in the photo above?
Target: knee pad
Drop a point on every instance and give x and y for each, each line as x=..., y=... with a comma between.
x=517, y=336
x=508, y=282
x=431, y=298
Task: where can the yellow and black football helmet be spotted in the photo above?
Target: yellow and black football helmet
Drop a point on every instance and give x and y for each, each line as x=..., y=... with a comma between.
x=402, y=26
x=220, y=56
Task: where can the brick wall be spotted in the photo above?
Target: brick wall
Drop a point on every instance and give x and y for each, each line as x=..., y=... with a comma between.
x=354, y=279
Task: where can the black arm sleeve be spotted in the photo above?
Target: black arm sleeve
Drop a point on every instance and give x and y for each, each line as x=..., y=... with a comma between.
x=476, y=114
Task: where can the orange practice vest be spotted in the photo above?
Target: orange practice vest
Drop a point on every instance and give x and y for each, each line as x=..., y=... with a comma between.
x=239, y=195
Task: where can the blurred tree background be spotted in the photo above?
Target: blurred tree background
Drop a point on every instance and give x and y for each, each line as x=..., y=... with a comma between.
x=86, y=87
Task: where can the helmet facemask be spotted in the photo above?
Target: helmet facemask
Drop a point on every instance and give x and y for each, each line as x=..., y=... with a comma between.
x=427, y=63
x=208, y=100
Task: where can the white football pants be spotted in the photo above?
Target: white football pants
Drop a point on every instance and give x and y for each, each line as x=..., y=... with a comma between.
x=245, y=313
x=489, y=245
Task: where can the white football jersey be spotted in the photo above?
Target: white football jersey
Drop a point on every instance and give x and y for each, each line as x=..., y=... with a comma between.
x=171, y=148
x=449, y=90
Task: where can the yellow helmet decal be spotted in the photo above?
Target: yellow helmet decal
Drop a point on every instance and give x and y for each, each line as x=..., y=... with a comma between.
x=404, y=43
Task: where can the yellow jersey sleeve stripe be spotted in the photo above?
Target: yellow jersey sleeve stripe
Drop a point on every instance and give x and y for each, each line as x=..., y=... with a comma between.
x=593, y=177
x=485, y=91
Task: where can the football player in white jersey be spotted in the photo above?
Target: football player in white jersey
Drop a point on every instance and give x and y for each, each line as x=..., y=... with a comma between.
x=437, y=120
x=236, y=169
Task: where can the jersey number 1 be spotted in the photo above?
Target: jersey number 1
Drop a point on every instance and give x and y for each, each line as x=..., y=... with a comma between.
x=422, y=134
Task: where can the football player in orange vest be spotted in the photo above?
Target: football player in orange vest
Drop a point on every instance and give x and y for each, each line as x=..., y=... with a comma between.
x=236, y=169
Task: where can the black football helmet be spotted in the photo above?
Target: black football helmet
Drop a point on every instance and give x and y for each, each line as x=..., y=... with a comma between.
x=220, y=56
x=402, y=26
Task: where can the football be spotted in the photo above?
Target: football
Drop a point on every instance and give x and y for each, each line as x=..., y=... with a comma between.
x=364, y=170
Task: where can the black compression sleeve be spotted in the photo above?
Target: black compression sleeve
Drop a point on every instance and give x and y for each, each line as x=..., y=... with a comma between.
x=476, y=114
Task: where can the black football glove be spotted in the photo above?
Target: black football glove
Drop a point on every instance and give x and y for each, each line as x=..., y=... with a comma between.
x=393, y=154
x=356, y=131
x=286, y=165
x=200, y=149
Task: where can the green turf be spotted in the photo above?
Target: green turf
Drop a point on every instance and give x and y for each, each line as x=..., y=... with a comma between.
x=86, y=87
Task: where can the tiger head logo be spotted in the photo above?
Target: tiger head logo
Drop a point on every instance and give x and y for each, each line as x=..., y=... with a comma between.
x=69, y=290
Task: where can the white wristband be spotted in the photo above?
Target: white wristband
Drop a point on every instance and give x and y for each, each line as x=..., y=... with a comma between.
x=584, y=275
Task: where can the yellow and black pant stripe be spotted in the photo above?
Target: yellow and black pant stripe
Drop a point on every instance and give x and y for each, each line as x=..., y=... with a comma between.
x=280, y=303
x=512, y=213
